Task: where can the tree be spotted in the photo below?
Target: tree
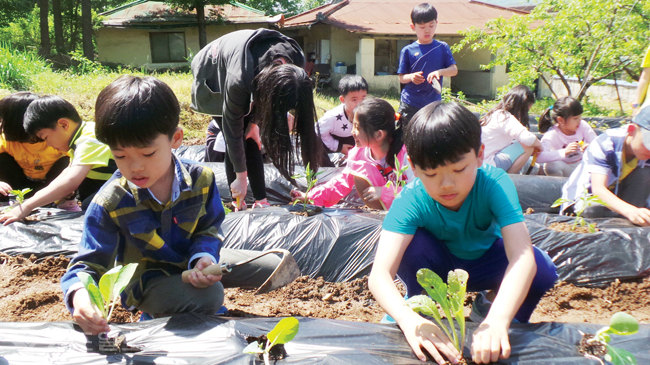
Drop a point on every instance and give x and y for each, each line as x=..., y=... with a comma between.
x=87, y=29
x=199, y=6
x=588, y=39
x=58, y=26
x=46, y=47
x=11, y=10
x=286, y=7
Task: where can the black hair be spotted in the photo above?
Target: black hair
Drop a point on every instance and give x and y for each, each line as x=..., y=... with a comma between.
x=516, y=102
x=350, y=83
x=440, y=134
x=45, y=111
x=278, y=89
x=423, y=13
x=12, y=111
x=133, y=111
x=376, y=114
x=565, y=107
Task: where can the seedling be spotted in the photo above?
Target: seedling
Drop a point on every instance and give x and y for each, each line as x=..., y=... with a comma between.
x=596, y=346
x=111, y=284
x=20, y=194
x=450, y=297
x=587, y=200
x=282, y=333
x=399, y=171
x=310, y=176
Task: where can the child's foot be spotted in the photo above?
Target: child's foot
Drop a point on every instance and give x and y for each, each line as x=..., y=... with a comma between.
x=71, y=205
x=261, y=204
x=223, y=311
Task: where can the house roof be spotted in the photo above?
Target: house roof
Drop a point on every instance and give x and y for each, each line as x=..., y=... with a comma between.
x=394, y=16
x=147, y=12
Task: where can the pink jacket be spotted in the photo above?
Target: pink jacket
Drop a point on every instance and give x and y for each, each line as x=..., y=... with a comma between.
x=360, y=165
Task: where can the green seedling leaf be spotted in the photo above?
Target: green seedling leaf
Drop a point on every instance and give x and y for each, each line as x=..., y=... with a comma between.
x=284, y=331
x=619, y=356
x=423, y=304
x=437, y=290
x=93, y=291
x=623, y=324
x=253, y=348
x=107, y=282
x=457, y=287
x=559, y=202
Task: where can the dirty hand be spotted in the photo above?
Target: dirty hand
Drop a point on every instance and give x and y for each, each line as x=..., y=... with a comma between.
x=639, y=216
x=198, y=279
x=297, y=196
x=417, y=78
x=571, y=148
x=421, y=333
x=490, y=343
x=15, y=214
x=238, y=188
x=433, y=75
x=85, y=315
x=4, y=188
x=372, y=193
x=253, y=131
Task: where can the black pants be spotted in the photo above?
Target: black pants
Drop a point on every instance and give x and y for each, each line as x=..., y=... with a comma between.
x=254, y=165
x=406, y=112
x=13, y=174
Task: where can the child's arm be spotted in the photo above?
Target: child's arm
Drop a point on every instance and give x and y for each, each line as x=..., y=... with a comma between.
x=59, y=188
x=419, y=332
x=371, y=195
x=416, y=78
x=491, y=338
x=638, y=216
x=447, y=72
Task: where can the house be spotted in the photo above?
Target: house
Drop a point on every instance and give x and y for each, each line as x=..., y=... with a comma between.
x=154, y=35
x=366, y=36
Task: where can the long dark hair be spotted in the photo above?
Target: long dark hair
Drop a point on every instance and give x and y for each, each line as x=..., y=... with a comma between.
x=12, y=111
x=516, y=102
x=565, y=107
x=278, y=89
x=376, y=114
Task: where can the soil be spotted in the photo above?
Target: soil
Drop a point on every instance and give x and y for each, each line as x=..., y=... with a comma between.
x=568, y=227
x=30, y=291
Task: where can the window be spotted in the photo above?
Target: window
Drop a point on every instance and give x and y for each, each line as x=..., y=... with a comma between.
x=167, y=47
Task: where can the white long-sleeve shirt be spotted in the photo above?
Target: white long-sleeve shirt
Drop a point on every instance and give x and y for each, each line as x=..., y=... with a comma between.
x=500, y=131
x=555, y=142
x=334, y=126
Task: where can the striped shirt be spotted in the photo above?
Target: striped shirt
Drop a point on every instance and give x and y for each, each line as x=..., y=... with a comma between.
x=126, y=224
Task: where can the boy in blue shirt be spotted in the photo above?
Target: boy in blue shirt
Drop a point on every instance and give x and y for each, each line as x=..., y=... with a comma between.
x=157, y=211
x=615, y=169
x=422, y=64
x=458, y=214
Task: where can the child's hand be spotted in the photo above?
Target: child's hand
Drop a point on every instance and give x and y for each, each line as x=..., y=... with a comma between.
x=571, y=148
x=198, y=279
x=297, y=195
x=421, y=333
x=238, y=188
x=372, y=193
x=5, y=188
x=15, y=214
x=253, y=131
x=639, y=216
x=346, y=148
x=84, y=314
x=417, y=78
x=490, y=343
x=433, y=75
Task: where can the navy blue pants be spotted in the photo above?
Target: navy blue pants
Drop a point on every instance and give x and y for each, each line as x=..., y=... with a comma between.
x=485, y=273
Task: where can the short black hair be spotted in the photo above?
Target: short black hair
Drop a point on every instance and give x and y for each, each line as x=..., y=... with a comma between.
x=45, y=111
x=440, y=134
x=423, y=13
x=350, y=83
x=133, y=111
x=12, y=112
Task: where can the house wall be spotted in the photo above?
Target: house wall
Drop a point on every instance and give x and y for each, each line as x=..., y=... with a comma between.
x=605, y=90
x=132, y=46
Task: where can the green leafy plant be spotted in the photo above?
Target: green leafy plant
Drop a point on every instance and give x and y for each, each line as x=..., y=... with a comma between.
x=310, y=176
x=20, y=194
x=282, y=333
x=399, y=171
x=450, y=297
x=112, y=283
x=621, y=324
x=587, y=200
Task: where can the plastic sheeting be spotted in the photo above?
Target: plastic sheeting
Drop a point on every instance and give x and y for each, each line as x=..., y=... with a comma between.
x=197, y=339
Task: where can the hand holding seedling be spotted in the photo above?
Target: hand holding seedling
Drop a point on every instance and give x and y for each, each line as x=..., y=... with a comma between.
x=85, y=314
x=14, y=214
x=4, y=188
x=422, y=334
x=198, y=279
x=417, y=77
x=310, y=177
x=490, y=342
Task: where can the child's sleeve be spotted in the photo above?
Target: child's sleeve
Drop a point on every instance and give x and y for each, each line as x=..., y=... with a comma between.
x=325, y=128
x=517, y=131
x=596, y=157
x=405, y=215
x=503, y=199
x=91, y=152
x=449, y=57
x=206, y=239
x=334, y=190
x=551, y=152
x=404, y=63
x=97, y=250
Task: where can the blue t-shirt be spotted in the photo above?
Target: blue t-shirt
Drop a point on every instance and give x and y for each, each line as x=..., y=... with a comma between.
x=468, y=233
x=426, y=58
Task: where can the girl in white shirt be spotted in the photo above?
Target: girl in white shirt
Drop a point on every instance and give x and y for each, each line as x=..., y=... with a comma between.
x=566, y=136
x=508, y=143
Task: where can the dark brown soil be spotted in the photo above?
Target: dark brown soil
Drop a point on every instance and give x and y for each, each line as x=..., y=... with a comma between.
x=30, y=291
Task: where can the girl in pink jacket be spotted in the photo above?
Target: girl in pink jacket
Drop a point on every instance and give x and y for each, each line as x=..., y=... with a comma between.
x=566, y=136
x=371, y=167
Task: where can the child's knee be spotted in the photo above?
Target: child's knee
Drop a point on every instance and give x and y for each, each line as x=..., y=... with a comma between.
x=546, y=275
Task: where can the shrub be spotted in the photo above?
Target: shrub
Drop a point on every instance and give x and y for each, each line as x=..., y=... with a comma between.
x=17, y=68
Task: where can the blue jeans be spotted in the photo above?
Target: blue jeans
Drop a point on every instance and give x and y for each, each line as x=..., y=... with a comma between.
x=485, y=273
